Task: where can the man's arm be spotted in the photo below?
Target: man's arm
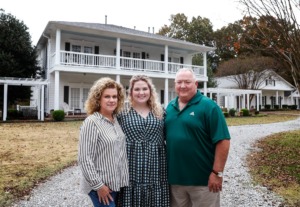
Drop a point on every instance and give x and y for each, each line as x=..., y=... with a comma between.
x=221, y=154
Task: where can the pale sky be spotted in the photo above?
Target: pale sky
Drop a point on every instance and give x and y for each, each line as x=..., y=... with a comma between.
x=131, y=13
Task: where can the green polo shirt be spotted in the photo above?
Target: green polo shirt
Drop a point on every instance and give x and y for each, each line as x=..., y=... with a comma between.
x=191, y=135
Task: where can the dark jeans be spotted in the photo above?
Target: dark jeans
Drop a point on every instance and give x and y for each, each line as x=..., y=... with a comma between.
x=95, y=199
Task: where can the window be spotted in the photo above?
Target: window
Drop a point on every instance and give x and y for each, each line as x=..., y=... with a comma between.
x=88, y=58
x=75, y=57
x=136, y=63
x=126, y=63
x=270, y=82
x=75, y=98
x=175, y=60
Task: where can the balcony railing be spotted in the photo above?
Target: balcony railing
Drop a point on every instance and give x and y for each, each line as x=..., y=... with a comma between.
x=126, y=63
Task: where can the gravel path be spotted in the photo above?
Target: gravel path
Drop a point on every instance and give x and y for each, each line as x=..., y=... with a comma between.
x=62, y=190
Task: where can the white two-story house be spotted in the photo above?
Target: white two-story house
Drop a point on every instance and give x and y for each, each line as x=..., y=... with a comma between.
x=75, y=54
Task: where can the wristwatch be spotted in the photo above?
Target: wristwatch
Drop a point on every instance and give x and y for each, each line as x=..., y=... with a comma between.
x=219, y=174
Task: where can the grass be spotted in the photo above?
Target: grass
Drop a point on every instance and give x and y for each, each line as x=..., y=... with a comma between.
x=277, y=165
x=260, y=119
x=31, y=152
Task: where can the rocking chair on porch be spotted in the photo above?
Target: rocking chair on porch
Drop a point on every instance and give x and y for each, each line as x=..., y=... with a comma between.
x=67, y=109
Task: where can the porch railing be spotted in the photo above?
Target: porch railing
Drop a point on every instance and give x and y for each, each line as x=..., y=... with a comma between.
x=126, y=63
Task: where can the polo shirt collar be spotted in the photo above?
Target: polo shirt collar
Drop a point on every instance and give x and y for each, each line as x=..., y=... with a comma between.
x=196, y=98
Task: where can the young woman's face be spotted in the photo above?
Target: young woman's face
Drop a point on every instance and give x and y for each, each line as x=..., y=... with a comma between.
x=140, y=92
x=108, y=101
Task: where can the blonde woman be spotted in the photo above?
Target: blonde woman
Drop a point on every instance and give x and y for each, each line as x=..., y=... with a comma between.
x=102, y=149
x=143, y=126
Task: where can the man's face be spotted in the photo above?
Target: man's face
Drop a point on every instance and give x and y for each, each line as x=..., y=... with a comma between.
x=185, y=85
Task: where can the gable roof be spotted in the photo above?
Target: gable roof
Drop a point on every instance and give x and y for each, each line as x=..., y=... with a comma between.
x=269, y=72
x=119, y=31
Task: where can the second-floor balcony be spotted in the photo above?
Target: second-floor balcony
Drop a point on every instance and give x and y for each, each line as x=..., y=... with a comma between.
x=123, y=63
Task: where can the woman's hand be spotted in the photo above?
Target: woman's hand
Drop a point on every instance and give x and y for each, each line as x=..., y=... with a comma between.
x=104, y=195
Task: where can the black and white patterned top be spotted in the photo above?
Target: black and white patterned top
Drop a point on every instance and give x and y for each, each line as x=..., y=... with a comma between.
x=146, y=152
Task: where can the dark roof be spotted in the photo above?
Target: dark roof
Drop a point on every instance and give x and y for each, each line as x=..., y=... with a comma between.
x=125, y=30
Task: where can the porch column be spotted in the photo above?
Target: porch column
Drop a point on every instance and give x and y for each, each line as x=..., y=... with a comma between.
x=166, y=96
x=38, y=102
x=248, y=101
x=243, y=101
x=211, y=95
x=118, y=54
x=277, y=98
x=42, y=103
x=57, y=47
x=218, y=99
x=232, y=101
x=205, y=88
x=257, y=102
x=118, y=78
x=166, y=58
x=260, y=99
x=56, y=90
x=4, y=112
x=48, y=55
x=205, y=72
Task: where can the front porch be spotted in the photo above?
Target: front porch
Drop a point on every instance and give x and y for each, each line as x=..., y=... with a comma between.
x=109, y=62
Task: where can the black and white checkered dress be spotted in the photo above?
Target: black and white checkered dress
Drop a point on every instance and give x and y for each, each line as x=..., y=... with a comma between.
x=146, y=153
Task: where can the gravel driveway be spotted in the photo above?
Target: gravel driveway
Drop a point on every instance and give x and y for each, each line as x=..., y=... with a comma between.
x=62, y=190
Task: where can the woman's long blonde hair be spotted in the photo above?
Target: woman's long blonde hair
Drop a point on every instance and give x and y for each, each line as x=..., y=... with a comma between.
x=96, y=91
x=153, y=103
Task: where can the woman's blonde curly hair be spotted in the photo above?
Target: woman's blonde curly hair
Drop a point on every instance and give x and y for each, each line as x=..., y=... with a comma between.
x=153, y=103
x=96, y=91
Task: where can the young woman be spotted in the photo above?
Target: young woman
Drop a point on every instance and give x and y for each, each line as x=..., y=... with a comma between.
x=143, y=126
x=102, y=149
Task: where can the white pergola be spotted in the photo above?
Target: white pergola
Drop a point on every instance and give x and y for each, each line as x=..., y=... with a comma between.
x=232, y=93
x=40, y=83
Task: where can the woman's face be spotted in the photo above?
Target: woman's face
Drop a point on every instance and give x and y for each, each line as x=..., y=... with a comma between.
x=140, y=92
x=108, y=101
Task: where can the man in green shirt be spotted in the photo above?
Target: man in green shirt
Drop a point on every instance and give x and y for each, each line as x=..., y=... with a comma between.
x=198, y=143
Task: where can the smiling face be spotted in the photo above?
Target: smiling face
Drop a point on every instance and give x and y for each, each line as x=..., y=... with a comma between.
x=140, y=93
x=108, y=101
x=185, y=85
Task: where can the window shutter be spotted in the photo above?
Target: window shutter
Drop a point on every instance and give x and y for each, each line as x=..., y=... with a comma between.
x=143, y=55
x=162, y=57
x=96, y=50
x=181, y=60
x=67, y=46
x=162, y=96
x=266, y=82
x=66, y=94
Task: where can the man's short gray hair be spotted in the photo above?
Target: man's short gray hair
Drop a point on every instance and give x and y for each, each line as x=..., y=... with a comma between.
x=186, y=69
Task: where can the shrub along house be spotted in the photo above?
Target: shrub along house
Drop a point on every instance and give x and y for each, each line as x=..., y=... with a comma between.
x=75, y=54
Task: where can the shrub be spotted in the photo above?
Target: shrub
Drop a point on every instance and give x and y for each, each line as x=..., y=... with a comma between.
x=256, y=112
x=245, y=112
x=284, y=106
x=232, y=112
x=14, y=114
x=276, y=106
x=58, y=115
x=226, y=114
x=268, y=106
x=293, y=107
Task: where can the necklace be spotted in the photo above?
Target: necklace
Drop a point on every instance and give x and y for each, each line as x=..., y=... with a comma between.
x=143, y=112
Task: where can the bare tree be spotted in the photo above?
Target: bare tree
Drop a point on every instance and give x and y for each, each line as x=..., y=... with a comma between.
x=278, y=31
x=248, y=72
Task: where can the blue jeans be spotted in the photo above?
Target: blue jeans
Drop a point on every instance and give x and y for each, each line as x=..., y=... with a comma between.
x=95, y=199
